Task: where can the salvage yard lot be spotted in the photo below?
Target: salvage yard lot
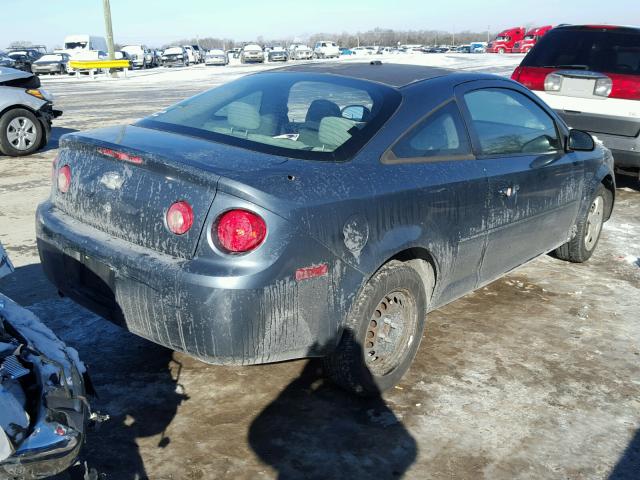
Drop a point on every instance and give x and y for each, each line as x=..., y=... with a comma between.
x=536, y=375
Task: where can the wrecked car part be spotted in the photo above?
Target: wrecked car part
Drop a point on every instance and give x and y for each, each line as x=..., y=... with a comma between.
x=44, y=410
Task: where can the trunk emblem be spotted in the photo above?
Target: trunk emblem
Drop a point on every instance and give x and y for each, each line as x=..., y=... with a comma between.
x=112, y=180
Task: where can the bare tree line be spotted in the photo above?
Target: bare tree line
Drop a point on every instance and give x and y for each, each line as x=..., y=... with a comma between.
x=377, y=36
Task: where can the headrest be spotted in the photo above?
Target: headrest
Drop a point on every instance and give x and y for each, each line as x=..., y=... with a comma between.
x=243, y=116
x=321, y=108
x=334, y=131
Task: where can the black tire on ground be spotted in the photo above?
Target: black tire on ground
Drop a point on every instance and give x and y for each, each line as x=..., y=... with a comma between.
x=383, y=332
x=580, y=248
x=33, y=136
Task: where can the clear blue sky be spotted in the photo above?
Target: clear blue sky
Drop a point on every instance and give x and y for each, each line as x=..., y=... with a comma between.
x=156, y=22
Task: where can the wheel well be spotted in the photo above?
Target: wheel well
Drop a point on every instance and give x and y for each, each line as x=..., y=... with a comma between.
x=610, y=186
x=424, y=263
x=14, y=107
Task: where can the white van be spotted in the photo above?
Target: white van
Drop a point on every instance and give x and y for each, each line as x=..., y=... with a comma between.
x=74, y=44
x=326, y=49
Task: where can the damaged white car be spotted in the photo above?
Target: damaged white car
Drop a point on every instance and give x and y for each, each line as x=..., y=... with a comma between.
x=43, y=408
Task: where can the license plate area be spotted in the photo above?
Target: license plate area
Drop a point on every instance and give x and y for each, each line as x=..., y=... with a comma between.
x=578, y=87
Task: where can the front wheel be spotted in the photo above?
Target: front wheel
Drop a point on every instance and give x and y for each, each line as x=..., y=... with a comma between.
x=383, y=332
x=580, y=248
x=20, y=133
x=501, y=51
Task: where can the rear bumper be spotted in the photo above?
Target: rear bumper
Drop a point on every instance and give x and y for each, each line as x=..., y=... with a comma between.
x=185, y=305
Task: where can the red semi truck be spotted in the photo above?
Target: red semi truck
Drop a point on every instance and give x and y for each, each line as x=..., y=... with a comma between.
x=530, y=39
x=505, y=40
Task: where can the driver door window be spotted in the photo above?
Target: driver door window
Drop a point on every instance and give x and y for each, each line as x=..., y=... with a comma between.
x=507, y=122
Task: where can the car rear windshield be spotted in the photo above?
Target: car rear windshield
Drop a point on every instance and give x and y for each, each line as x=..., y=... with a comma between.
x=600, y=50
x=298, y=115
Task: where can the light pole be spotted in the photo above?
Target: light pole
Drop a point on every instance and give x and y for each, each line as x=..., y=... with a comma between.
x=108, y=28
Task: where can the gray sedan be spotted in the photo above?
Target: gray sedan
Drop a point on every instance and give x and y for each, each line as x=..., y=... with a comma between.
x=51, y=63
x=318, y=210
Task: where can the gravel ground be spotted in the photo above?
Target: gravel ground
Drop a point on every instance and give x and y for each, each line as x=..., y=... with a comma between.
x=534, y=376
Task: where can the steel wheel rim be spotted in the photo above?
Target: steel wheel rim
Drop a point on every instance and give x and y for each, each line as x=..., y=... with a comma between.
x=594, y=222
x=390, y=332
x=21, y=133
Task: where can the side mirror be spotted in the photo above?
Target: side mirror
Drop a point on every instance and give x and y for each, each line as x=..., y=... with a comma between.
x=357, y=113
x=580, y=141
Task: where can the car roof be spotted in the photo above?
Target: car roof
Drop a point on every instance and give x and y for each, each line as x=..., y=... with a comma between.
x=394, y=75
x=622, y=28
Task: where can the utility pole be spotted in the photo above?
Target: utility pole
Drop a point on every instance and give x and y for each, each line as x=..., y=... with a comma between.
x=108, y=28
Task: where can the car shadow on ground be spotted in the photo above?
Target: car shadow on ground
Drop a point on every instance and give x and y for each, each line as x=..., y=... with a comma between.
x=628, y=181
x=137, y=382
x=628, y=467
x=54, y=138
x=314, y=430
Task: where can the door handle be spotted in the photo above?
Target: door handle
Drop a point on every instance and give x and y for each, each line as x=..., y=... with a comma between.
x=509, y=191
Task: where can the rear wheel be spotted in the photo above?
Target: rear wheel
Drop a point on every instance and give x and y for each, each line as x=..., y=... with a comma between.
x=580, y=248
x=383, y=332
x=20, y=133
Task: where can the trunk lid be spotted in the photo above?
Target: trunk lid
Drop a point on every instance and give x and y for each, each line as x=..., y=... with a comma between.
x=124, y=179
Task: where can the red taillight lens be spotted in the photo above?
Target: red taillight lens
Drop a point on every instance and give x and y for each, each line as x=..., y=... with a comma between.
x=240, y=231
x=180, y=217
x=626, y=87
x=64, y=179
x=531, y=77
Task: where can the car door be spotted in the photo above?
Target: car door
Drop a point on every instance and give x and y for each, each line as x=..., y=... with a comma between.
x=449, y=186
x=534, y=185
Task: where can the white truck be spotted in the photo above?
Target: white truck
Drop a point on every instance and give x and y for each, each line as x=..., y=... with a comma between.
x=74, y=44
x=326, y=49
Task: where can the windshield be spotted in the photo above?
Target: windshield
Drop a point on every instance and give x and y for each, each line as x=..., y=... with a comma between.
x=212, y=53
x=529, y=37
x=173, y=51
x=609, y=51
x=310, y=116
x=74, y=45
x=501, y=38
x=50, y=58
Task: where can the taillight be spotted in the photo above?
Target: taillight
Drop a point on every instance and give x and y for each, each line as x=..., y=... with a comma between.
x=553, y=82
x=64, y=179
x=180, y=217
x=531, y=77
x=626, y=87
x=602, y=88
x=240, y=231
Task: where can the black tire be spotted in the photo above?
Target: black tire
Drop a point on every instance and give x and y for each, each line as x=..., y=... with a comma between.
x=36, y=136
x=580, y=248
x=354, y=365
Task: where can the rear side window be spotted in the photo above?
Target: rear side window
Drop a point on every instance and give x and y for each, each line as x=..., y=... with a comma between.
x=608, y=51
x=442, y=134
x=507, y=122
